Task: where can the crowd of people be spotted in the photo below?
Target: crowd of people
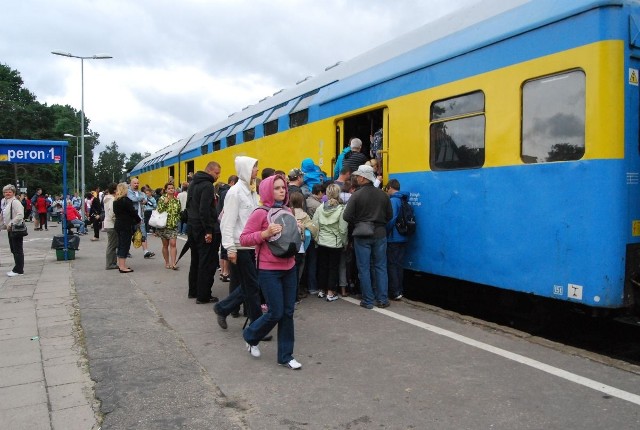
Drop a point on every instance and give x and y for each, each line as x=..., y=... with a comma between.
x=349, y=244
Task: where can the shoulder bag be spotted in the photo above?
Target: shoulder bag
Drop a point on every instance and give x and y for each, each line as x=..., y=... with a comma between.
x=19, y=229
x=364, y=229
x=158, y=219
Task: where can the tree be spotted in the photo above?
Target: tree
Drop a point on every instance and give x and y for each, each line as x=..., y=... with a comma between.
x=134, y=159
x=23, y=117
x=110, y=166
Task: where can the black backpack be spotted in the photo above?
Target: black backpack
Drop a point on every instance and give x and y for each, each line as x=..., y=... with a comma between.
x=406, y=220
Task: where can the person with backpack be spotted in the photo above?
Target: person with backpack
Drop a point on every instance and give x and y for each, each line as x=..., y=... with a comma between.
x=331, y=240
x=276, y=274
x=396, y=242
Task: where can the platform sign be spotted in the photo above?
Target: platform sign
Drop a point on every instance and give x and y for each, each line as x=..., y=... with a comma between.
x=21, y=151
x=31, y=154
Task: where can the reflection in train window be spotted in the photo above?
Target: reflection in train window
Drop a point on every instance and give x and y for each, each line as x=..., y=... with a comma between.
x=553, y=118
x=457, y=134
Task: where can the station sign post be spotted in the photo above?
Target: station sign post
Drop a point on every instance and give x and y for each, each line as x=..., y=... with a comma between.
x=40, y=152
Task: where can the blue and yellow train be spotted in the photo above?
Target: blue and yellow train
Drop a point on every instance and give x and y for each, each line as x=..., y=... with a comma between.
x=514, y=126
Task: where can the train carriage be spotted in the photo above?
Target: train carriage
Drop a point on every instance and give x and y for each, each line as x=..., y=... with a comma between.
x=514, y=126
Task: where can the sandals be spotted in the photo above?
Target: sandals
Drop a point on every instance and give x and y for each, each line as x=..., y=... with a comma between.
x=175, y=268
x=170, y=267
x=225, y=278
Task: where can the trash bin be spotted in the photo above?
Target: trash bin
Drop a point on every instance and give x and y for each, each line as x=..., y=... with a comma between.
x=71, y=254
x=58, y=242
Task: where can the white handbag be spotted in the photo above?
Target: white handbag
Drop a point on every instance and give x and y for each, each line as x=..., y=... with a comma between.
x=158, y=220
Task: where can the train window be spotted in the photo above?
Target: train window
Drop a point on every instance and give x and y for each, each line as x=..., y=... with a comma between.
x=553, y=118
x=248, y=135
x=299, y=118
x=231, y=140
x=456, y=106
x=458, y=132
x=271, y=127
x=216, y=145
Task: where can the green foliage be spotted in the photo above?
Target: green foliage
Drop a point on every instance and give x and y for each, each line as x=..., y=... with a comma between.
x=109, y=167
x=23, y=117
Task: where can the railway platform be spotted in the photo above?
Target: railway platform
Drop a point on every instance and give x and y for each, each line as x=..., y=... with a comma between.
x=158, y=360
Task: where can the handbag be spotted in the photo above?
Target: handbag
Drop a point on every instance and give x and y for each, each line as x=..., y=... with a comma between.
x=364, y=229
x=158, y=219
x=19, y=229
x=136, y=239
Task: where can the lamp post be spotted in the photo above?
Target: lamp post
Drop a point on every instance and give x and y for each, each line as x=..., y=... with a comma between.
x=76, y=160
x=82, y=135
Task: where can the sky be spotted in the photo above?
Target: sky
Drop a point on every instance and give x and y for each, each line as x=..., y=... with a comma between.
x=179, y=67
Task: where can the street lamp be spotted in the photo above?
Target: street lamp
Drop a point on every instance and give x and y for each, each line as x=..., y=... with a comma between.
x=76, y=171
x=92, y=57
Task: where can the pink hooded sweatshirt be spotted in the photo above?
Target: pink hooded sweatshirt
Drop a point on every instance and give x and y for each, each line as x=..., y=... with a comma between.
x=257, y=223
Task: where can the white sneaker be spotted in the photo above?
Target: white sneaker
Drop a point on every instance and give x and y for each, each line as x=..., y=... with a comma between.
x=292, y=364
x=332, y=297
x=253, y=350
x=320, y=294
x=11, y=274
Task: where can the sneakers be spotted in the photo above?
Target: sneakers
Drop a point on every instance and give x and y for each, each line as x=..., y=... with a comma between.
x=366, y=306
x=398, y=297
x=332, y=297
x=383, y=305
x=149, y=254
x=11, y=274
x=320, y=294
x=292, y=364
x=253, y=350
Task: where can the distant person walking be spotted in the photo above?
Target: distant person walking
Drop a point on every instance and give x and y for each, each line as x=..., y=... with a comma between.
x=42, y=205
x=12, y=213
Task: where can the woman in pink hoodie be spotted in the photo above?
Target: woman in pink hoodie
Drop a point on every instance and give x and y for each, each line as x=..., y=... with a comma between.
x=276, y=276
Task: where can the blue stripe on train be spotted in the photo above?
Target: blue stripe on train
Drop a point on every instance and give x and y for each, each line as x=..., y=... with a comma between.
x=534, y=228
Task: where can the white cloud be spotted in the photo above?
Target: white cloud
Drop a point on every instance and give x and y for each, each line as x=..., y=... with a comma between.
x=180, y=67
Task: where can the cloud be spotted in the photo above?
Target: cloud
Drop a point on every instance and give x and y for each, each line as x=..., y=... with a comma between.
x=180, y=67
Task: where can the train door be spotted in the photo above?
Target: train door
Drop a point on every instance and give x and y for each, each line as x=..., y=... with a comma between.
x=368, y=127
x=188, y=168
x=338, y=145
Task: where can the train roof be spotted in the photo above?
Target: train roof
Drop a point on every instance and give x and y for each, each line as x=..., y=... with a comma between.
x=465, y=30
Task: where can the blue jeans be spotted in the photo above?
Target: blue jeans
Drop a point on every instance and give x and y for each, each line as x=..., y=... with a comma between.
x=395, y=255
x=279, y=290
x=371, y=251
x=78, y=223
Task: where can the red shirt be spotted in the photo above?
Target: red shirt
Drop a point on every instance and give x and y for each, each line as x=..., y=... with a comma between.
x=72, y=213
